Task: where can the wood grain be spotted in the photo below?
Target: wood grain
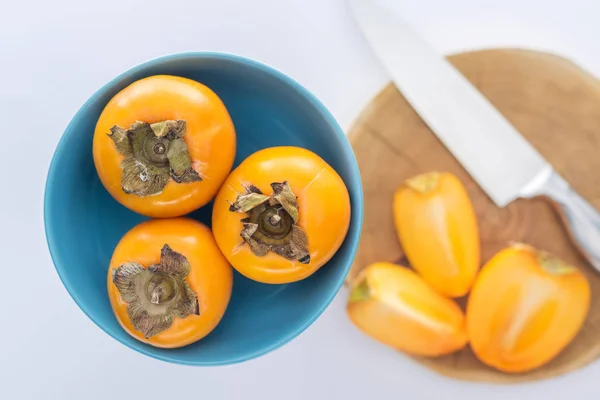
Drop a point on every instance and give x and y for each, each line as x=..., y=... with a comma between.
x=556, y=106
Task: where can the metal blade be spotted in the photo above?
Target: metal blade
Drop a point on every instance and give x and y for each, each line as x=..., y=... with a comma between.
x=492, y=151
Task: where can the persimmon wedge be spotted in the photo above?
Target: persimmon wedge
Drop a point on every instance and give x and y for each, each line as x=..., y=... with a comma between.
x=437, y=228
x=525, y=307
x=396, y=307
x=168, y=283
x=281, y=215
x=164, y=145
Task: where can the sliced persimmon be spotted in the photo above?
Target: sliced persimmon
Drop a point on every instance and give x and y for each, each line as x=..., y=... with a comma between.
x=397, y=307
x=437, y=229
x=525, y=307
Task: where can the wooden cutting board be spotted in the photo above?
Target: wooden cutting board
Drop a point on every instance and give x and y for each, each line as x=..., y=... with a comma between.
x=556, y=106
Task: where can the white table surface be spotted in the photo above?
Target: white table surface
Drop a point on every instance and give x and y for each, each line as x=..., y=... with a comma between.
x=55, y=54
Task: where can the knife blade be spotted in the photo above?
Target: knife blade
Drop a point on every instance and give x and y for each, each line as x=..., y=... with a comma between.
x=503, y=163
x=461, y=117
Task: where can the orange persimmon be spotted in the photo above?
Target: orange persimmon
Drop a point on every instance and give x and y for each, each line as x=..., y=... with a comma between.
x=281, y=214
x=168, y=283
x=438, y=231
x=164, y=145
x=395, y=306
x=524, y=309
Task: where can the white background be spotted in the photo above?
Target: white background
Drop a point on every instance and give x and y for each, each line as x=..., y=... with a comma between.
x=55, y=54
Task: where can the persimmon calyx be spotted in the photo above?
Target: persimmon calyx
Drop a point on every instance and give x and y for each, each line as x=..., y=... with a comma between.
x=153, y=154
x=554, y=265
x=424, y=183
x=156, y=295
x=359, y=292
x=272, y=222
x=550, y=263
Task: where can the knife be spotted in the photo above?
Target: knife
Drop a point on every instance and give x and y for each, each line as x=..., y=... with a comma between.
x=492, y=151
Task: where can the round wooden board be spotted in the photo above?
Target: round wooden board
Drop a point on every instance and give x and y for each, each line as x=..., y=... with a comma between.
x=556, y=106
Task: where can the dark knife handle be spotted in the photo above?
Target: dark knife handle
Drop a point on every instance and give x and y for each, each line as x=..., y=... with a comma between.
x=580, y=218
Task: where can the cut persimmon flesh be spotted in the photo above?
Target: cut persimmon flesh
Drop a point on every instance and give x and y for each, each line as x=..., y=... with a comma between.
x=437, y=228
x=396, y=307
x=525, y=308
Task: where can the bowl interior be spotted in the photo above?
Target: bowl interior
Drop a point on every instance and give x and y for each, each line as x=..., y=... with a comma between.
x=84, y=223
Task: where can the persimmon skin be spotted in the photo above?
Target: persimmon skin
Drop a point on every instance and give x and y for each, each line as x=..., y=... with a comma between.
x=404, y=312
x=210, y=138
x=438, y=231
x=323, y=207
x=211, y=276
x=520, y=315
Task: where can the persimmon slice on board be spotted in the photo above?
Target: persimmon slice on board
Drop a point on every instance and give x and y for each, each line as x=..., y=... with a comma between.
x=525, y=307
x=437, y=229
x=396, y=307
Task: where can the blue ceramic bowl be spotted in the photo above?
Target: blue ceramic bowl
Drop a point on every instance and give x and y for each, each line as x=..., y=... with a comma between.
x=84, y=223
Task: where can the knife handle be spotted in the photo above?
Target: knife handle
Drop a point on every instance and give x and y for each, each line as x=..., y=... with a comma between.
x=581, y=219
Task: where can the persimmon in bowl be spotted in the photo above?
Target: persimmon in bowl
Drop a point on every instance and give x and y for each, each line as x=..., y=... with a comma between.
x=84, y=222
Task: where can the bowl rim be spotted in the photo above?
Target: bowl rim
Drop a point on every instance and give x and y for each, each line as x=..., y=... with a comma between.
x=357, y=206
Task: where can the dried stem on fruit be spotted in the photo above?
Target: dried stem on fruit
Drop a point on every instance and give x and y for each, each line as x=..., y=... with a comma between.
x=157, y=295
x=153, y=154
x=272, y=222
